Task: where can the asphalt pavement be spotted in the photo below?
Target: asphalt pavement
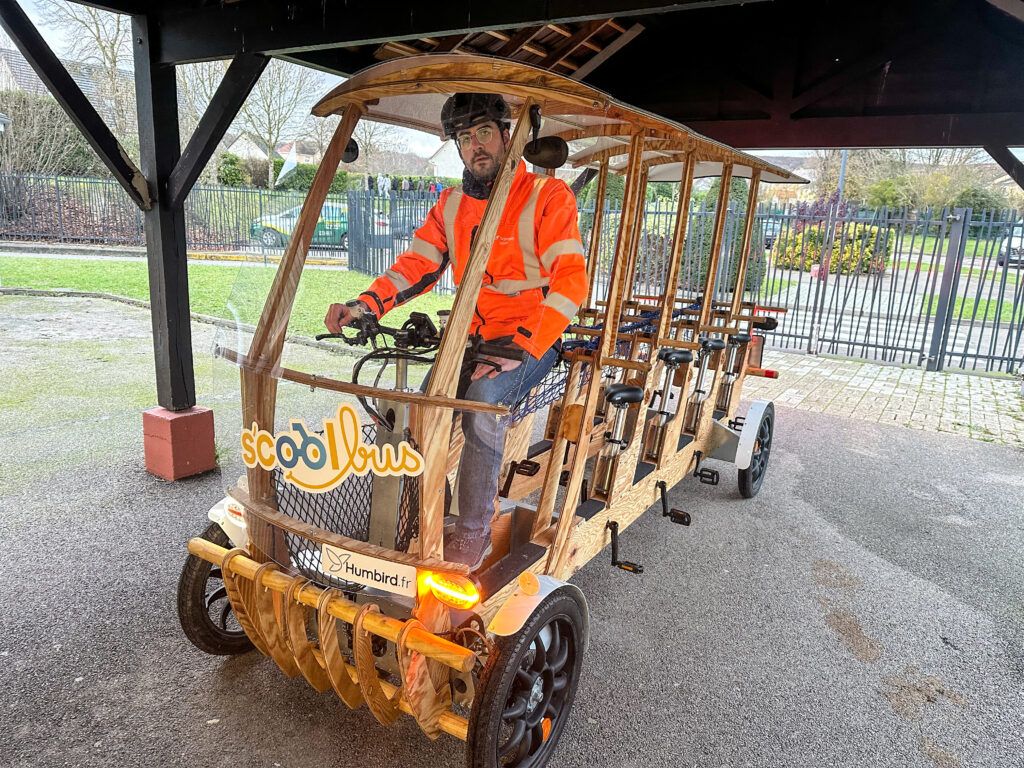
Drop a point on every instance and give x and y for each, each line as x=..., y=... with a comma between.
x=865, y=609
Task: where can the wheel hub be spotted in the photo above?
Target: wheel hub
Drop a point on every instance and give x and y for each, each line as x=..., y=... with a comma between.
x=536, y=694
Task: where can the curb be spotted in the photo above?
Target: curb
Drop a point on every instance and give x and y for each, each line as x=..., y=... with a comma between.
x=220, y=322
x=17, y=247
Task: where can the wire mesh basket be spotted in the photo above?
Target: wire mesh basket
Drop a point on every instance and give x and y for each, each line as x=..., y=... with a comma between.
x=344, y=510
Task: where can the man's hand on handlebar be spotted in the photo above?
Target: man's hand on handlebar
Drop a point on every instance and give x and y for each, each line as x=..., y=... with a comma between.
x=341, y=315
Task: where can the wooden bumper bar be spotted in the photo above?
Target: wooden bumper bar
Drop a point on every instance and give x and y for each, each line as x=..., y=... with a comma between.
x=430, y=645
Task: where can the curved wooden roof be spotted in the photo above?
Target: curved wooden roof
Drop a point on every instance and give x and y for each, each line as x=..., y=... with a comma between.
x=409, y=92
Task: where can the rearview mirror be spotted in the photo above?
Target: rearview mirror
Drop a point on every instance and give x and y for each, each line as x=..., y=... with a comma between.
x=351, y=152
x=547, y=152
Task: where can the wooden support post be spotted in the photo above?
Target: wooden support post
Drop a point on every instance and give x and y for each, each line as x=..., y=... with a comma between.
x=636, y=231
x=559, y=549
x=748, y=231
x=259, y=391
x=594, y=252
x=75, y=103
x=669, y=434
x=716, y=245
x=433, y=426
x=238, y=82
x=157, y=96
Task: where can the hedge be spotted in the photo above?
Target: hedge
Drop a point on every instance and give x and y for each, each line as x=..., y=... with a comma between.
x=866, y=249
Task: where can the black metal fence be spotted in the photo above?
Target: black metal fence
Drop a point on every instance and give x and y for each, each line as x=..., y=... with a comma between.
x=942, y=288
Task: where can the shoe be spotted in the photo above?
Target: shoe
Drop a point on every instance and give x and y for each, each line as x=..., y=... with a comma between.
x=468, y=550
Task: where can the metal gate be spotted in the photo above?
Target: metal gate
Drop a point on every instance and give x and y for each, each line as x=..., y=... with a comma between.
x=935, y=288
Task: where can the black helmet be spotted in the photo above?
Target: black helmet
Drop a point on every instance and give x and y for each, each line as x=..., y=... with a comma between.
x=464, y=110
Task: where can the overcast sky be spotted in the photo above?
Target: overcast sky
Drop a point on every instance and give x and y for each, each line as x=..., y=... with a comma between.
x=420, y=143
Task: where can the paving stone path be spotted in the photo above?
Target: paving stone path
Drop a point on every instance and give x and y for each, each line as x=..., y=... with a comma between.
x=982, y=407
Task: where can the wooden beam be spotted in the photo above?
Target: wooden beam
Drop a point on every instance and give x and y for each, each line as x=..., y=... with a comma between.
x=515, y=43
x=1008, y=162
x=899, y=46
x=913, y=130
x=159, y=147
x=625, y=37
x=71, y=99
x=560, y=52
x=748, y=231
x=273, y=27
x=234, y=88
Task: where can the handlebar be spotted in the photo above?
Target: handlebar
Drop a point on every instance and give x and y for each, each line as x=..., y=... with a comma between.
x=417, y=332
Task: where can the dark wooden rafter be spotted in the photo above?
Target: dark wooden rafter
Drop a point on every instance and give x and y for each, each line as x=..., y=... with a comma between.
x=560, y=53
x=75, y=103
x=239, y=80
x=516, y=42
x=272, y=27
x=1008, y=162
x=900, y=45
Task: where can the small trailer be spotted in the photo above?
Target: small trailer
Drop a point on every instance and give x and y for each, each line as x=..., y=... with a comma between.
x=328, y=556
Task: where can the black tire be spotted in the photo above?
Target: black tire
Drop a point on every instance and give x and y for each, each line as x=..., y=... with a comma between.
x=343, y=243
x=542, y=660
x=271, y=239
x=203, y=606
x=750, y=479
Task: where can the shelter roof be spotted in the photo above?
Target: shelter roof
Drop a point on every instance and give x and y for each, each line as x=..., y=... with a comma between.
x=410, y=91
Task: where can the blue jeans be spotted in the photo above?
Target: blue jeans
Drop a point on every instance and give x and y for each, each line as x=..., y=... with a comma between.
x=484, y=434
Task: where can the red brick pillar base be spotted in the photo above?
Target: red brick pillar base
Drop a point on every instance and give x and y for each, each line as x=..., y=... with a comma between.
x=178, y=443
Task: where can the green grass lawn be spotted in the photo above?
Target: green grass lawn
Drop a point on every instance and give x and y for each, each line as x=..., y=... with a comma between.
x=230, y=292
x=966, y=307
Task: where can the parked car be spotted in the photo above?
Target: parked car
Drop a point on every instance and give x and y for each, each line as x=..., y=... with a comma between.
x=771, y=231
x=1012, y=251
x=273, y=230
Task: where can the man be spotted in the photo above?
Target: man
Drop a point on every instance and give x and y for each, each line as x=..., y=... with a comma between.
x=535, y=280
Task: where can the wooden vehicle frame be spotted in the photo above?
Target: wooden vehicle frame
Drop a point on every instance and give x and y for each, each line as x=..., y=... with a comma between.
x=658, y=347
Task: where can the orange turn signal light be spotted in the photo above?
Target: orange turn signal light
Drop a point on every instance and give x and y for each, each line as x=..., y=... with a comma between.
x=454, y=590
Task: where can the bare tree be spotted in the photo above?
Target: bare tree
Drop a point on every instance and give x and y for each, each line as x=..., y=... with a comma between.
x=319, y=131
x=376, y=142
x=40, y=138
x=104, y=41
x=196, y=85
x=278, y=106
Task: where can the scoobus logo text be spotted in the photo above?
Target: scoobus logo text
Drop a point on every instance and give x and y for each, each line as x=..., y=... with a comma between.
x=317, y=463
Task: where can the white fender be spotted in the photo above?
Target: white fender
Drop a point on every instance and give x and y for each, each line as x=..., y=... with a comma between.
x=232, y=524
x=748, y=436
x=530, y=593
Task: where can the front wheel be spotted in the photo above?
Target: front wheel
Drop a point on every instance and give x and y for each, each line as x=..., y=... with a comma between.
x=750, y=479
x=270, y=238
x=527, y=688
x=203, y=606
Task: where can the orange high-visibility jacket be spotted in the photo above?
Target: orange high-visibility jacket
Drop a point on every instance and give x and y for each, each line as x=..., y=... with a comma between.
x=536, y=277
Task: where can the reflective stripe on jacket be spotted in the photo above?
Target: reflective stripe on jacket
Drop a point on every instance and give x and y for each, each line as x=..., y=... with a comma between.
x=536, y=277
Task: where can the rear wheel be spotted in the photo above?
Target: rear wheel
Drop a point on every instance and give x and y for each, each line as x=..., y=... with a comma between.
x=750, y=479
x=527, y=689
x=343, y=243
x=203, y=606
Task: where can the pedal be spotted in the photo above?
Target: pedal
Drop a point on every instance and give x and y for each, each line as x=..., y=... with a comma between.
x=708, y=476
x=527, y=467
x=624, y=565
x=679, y=517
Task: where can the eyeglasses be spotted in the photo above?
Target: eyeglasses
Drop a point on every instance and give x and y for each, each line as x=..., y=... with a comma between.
x=483, y=135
